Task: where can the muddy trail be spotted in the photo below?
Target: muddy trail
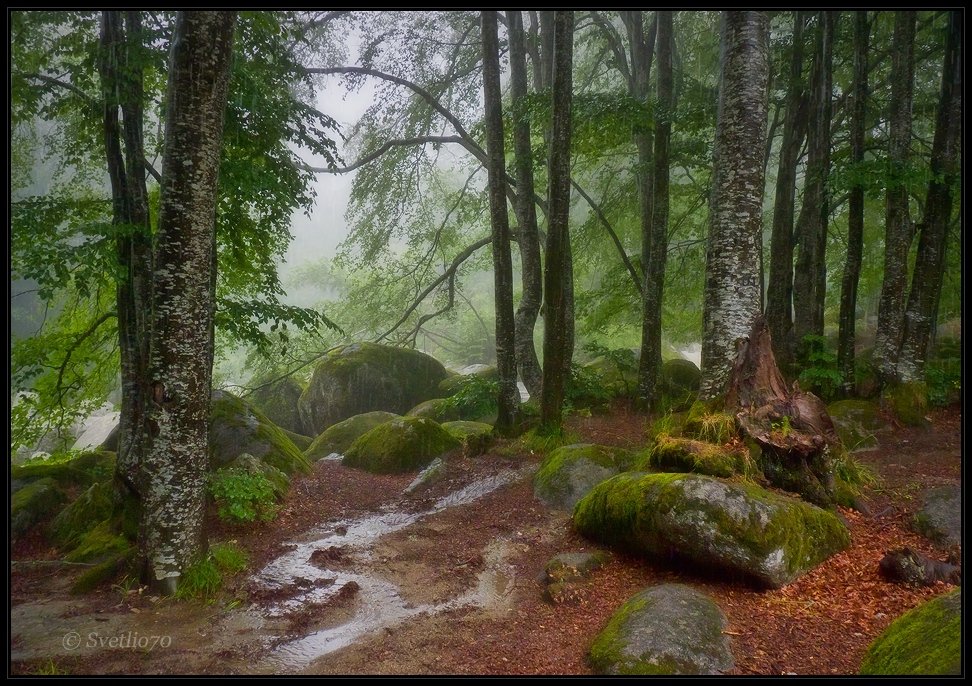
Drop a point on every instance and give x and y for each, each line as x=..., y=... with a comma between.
x=373, y=574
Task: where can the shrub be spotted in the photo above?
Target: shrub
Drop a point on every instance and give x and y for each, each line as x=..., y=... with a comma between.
x=243, y=497
x=819, y=373
x=478, y=396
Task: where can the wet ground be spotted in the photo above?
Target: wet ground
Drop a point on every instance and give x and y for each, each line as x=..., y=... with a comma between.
x=358, y=575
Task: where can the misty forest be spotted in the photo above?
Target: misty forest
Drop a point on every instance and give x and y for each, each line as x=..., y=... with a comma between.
x=485, y=342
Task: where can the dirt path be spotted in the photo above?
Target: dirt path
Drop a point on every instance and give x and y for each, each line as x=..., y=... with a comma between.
x=435, y=582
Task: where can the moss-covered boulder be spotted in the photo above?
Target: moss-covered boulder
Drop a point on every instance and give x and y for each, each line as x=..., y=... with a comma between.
x=436, y=409
x=89, y=509
x=98, y=544
x=743, y=529
x=32, y=503
x=454, y=382
x=568, y=473
x=82, y=470
x=664, y=630
x=908, y=402
x=674, y=454
x=565, y=575
x=475, y=437
x=237, y=427
x=858, y=423
x=940, y=516
x=618, y=372
x=400, y=445
x=680, y=375
x=338, y=438
x=278, y=403
x=363, y=377
x=924, y=641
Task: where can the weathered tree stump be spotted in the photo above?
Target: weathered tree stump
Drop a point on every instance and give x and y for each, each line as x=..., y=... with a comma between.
x=907, y=566
x=792, y=427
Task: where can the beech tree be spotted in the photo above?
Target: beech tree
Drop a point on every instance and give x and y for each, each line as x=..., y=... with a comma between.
x=732, y=283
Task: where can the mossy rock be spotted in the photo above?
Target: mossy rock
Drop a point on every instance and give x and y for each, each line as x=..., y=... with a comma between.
x=679, y=375
x=251, y=465
x=104, y=571
x=620, y=380
x=674, y=454
x=98, y=544
x=452, y=384
x=739, y=528
x=664, y=630
x=300, y=440
x=475, y=437
x=706, y=424
x=238, y=428
x=338, y=438
x=940, y=516
x=85, y=469
x=857, y=423
x=568, y=473
x=32, y=503
x=867, y=381
x=908, y=402
x=364, y=377
x=90, y=508
x=278, y=403
x=436, y=409
x=567, y=567
x=924, y=641
x=400, y=445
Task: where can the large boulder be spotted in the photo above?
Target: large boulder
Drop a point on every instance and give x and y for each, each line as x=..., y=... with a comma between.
x=568, y=473
x=363, y=377
x=83, y=470
x=400, y=445
x=745, y=530
x=617, y=371
x=924, y=641
x=436, y=409
x=663, y=630
x=236, y=427
x=679, y=375
x=32, y=503
x=940, y=517
x=857, y=422
x=475, y=437
x=278, y=402
x=339, y=437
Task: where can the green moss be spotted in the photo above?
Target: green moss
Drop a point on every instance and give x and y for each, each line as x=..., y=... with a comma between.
x=240, y=428
x=549, y=474
x=99, y=543
x=436, y=409
x=93, y=506
x=714, y=427
x=474, y=436
x=687, y=455
x=32, y=503
x=606, y=652
x=338, y=438
x=278, y=402
x=908, y=402
x=400, y=445
x=619, y=376
x=652, y=514
x=924, y=641
x=856, y=422
x=81, y=470
x=104, y=571
x=301, y=441
x=283, y=454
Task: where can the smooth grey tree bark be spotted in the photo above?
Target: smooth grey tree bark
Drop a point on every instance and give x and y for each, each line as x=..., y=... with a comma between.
x=177, y=452
x=898, y=230
x=926, y=282
x=499, y=219
x=732, y=285
x=557, y=339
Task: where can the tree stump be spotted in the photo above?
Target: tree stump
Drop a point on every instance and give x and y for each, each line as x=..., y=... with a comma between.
x=792, y=427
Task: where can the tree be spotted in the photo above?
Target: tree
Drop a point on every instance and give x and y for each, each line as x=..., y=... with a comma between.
x=732, y=284
x=528, y=235
x=657, y=237
x=499, y=219
x=779, y=294
x=855, y=216
x=810, y=277
x=898, y=231
x=184, y=295
x=926, y=281
x=557, y=340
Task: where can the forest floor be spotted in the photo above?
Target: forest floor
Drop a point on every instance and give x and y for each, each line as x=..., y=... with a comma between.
x=459, y=576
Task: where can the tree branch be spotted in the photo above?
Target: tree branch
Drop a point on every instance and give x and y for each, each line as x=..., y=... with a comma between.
x=388, y=145
x=614, y=236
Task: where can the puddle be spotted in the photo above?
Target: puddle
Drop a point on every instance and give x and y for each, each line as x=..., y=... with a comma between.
x=378, y=603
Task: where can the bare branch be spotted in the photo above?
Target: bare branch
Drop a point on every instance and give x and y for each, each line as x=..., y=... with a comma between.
x=388, y=145
x=614, y=236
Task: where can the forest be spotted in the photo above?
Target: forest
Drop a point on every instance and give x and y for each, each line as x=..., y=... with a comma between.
x=486, y=342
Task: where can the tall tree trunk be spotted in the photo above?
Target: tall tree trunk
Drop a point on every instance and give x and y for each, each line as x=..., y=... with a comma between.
x=556, y=354
x=926, y=283
x=177, y=454
x=654, y=268
x=855, y=216
x=526, y=213
x=898, y=228
x=731, y=299
x=810, y=278
x=121, y=81
x=779, y=294
x=499, y=219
